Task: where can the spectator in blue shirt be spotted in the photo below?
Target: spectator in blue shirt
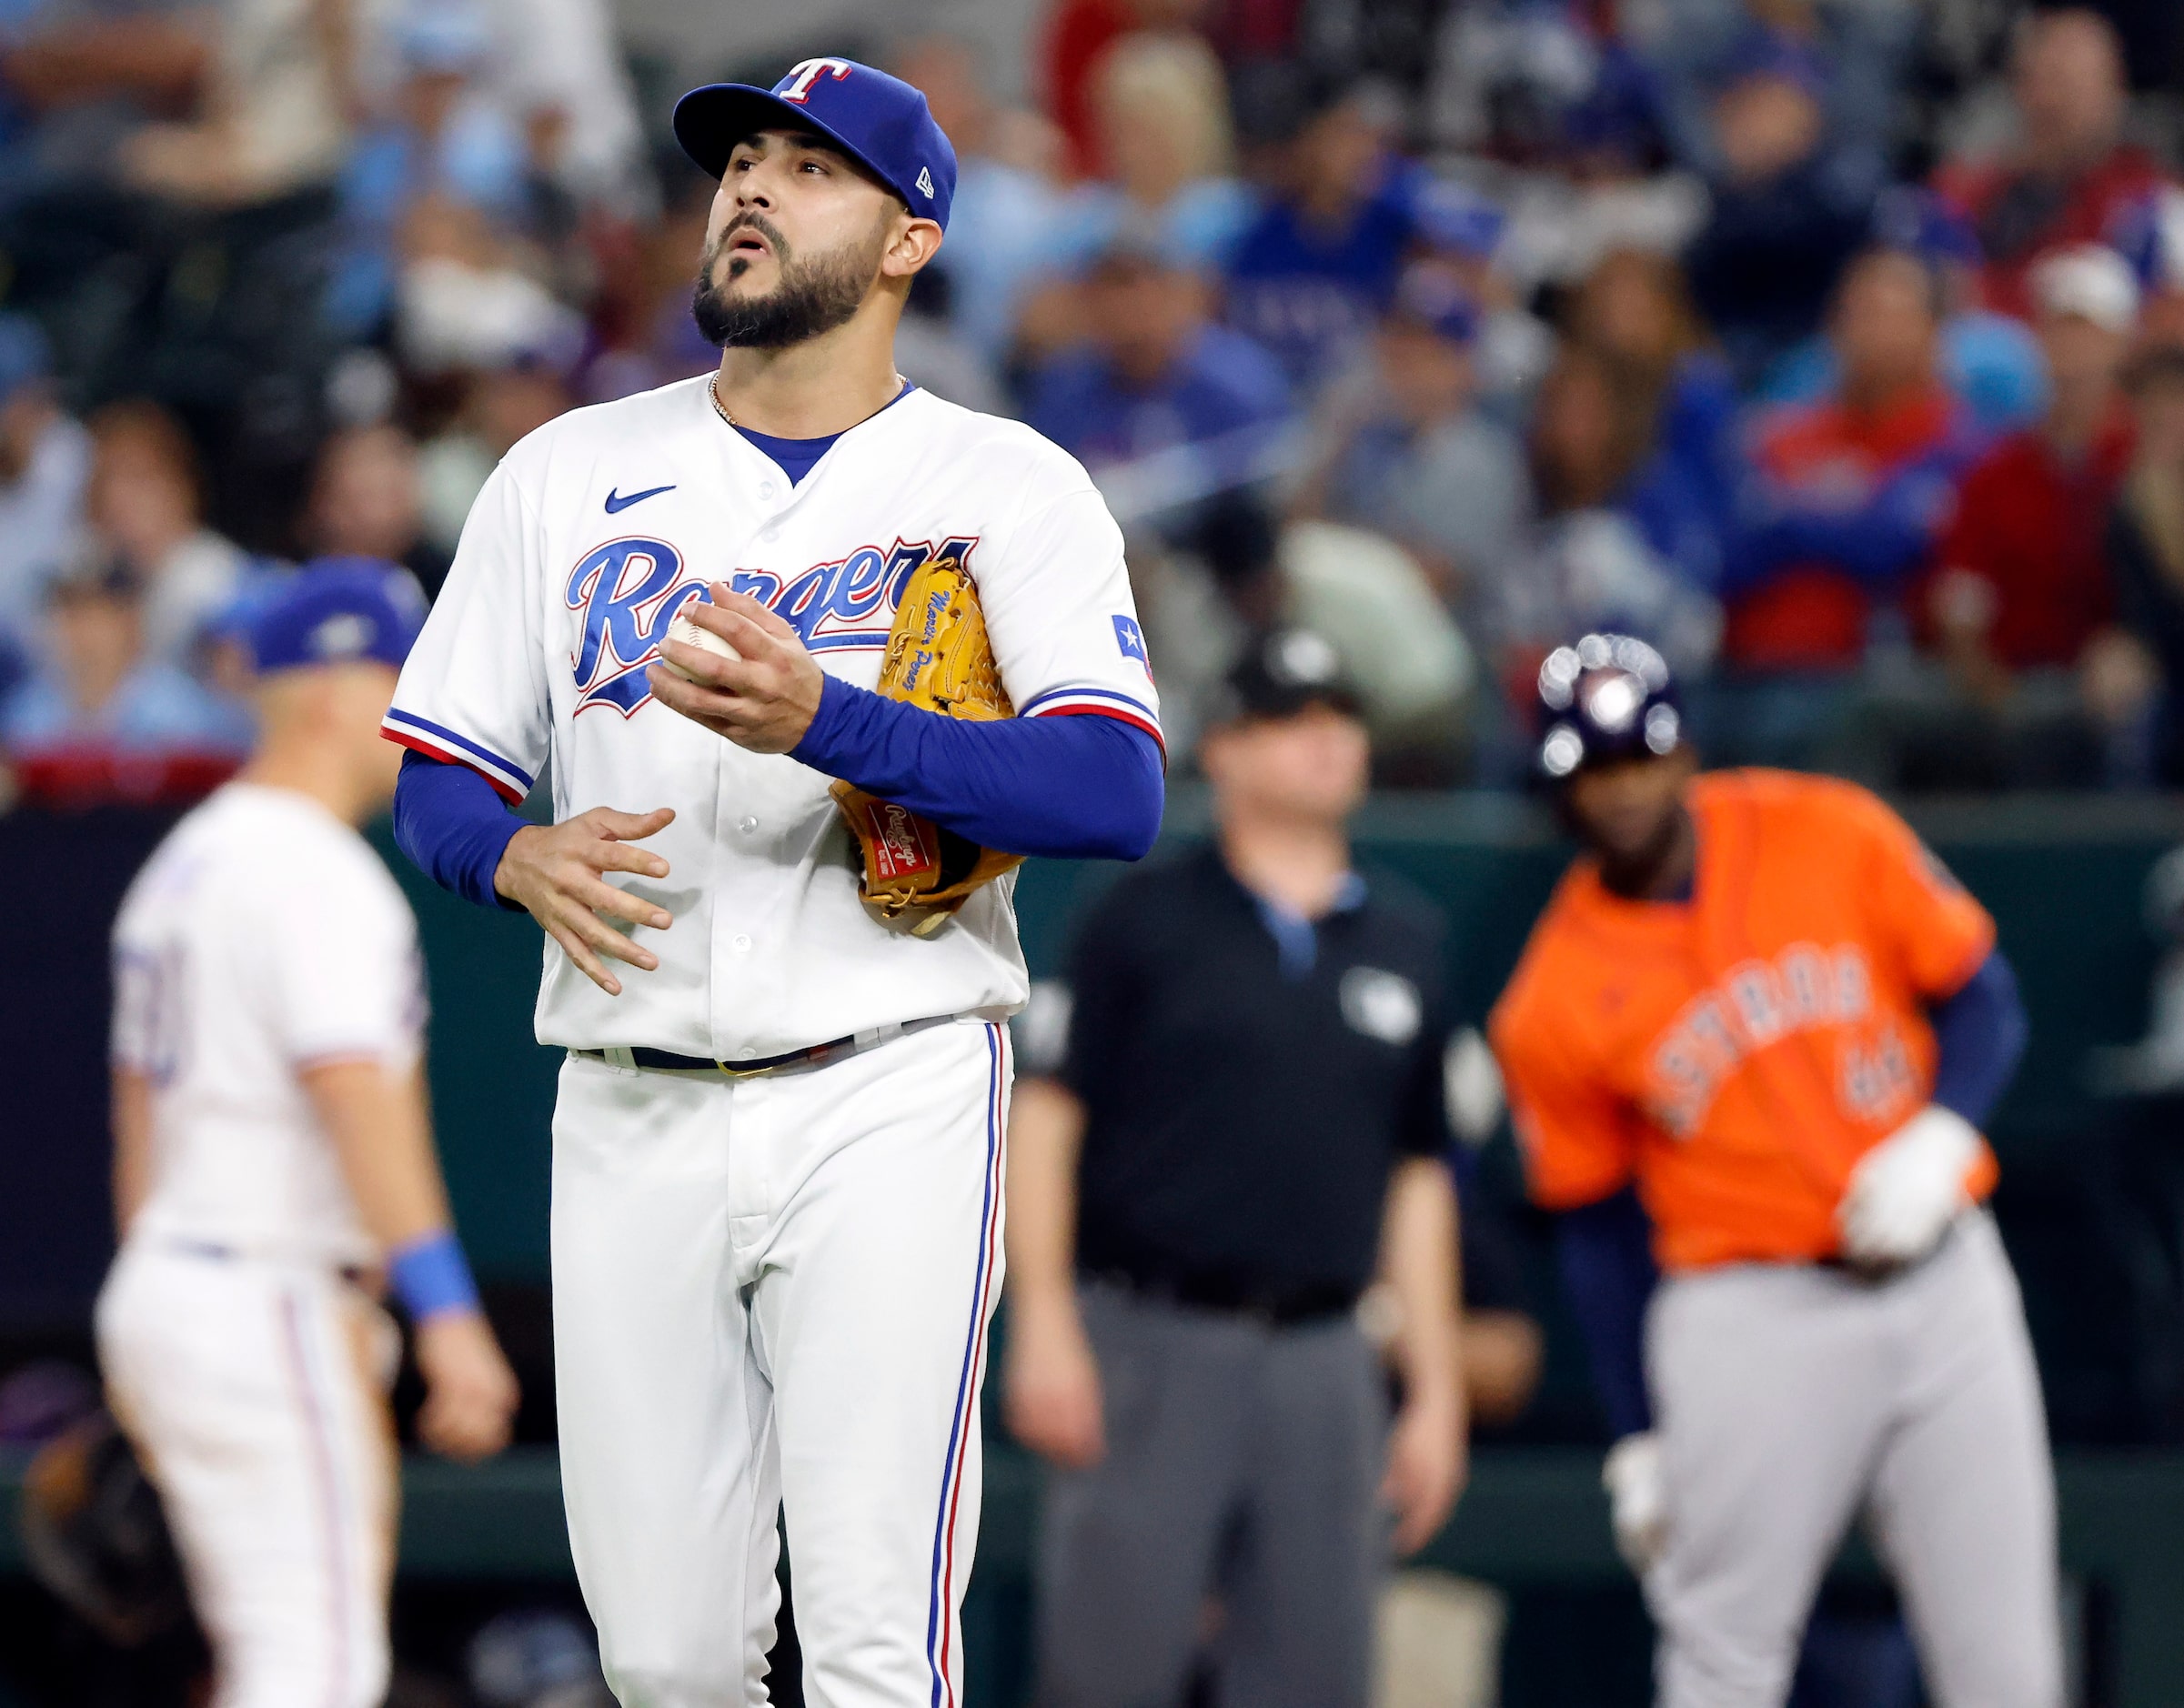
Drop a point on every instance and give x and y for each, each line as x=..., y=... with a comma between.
x=1162, y=108
x=99, y=690
x=1401, y=447
x=1004, y=223
x=446, y=138
x=1164, y=406
x=1164, y=116
x=1310, y=276
x=1990, y=362
x=1635, y=310
x=45, y=464
x=1789, y=210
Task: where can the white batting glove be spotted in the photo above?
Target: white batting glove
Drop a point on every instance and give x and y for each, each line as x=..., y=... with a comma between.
x=1905, y=1192
x=1637, y=1499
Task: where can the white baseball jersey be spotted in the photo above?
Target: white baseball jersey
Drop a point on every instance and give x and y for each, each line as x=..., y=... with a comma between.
x=595, y=529
x=264, y=935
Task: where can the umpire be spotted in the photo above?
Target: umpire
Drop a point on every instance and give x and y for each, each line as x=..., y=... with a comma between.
x=1246, y=1124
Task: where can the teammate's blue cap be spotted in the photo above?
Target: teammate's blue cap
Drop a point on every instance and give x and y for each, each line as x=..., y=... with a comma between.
x=334, y=610
x=1606, y=697
x=878, y=120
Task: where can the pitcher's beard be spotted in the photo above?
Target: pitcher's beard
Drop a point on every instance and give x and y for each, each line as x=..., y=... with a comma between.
x=813, y=298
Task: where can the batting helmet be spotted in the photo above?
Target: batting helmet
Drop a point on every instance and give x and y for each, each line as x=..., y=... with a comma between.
x=96, y=1535
x=1606, y=697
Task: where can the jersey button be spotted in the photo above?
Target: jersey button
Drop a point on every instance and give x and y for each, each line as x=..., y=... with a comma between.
x=765, y=488
x=747, y=825
x=740, y=944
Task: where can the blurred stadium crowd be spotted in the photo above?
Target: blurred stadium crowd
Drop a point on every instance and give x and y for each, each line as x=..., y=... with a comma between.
x=1836, y=345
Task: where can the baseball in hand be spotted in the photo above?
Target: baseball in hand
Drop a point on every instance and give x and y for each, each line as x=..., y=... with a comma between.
x=692, y=635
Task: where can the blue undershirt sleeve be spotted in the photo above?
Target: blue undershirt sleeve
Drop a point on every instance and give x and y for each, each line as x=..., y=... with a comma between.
x=1070, y=787
x=1980, y=1033
x=454, y=826
x=1605, y=1252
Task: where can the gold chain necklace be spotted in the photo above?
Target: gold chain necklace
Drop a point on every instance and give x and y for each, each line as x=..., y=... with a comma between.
x=712, y=391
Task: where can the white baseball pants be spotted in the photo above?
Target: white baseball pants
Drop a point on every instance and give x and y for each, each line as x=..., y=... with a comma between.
x=1790, y=1399
x=254, y=1393
x=771, y=1295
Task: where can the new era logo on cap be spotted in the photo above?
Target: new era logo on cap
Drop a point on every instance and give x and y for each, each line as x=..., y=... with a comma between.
x=878, y=120
x=343, y=635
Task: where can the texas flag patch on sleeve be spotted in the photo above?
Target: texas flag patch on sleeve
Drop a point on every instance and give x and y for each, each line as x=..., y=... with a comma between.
x=1130, y=638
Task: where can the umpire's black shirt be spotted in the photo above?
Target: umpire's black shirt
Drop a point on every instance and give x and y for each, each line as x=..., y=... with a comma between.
x=1249, y=1083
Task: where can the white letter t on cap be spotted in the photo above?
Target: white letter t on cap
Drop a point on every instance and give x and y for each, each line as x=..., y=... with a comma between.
x=801, y=79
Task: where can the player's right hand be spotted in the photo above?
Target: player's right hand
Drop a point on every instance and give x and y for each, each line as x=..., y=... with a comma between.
x=555, y=874
x=1051, y=1388
x=471, y=1393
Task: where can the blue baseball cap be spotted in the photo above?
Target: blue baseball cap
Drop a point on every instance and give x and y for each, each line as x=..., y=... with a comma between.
x=1920, y=223
x=877, y=120
x=334, y=610
x=1429, y=298
x=1761, y=53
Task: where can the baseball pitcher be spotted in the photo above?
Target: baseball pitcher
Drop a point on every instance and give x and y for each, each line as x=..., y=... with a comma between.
x=1761, y=1001
x=814, y=657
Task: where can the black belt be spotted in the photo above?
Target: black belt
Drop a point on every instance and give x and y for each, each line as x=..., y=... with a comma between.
x=212, y=1251
x=1277, y=1307
x=666, y=1060
x=1881, y=1274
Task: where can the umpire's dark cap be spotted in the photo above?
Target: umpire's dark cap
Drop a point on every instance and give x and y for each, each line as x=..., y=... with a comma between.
x=1284, y=671
x=879, y=121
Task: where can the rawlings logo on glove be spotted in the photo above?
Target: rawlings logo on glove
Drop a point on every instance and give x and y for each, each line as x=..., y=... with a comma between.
x=916, y=872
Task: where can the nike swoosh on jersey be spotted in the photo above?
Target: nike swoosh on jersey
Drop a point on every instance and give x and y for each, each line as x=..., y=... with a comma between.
x=617, y=504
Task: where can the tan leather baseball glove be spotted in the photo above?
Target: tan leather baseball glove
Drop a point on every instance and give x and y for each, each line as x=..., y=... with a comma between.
x=917, y=874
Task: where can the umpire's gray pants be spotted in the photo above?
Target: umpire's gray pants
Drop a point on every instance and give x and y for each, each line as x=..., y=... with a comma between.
x=1789, y=1399
x=1241, y=1461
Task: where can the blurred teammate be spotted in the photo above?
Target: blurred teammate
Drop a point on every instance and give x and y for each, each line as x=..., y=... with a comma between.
x=271, y=1148
x=1760, y=999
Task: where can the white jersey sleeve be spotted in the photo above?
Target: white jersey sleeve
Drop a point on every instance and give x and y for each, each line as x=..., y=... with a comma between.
x=1056, y=594
x=475, y=688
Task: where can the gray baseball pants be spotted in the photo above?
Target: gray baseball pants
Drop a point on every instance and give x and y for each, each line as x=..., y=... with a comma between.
x=1791, y=1400
x=1243, y=1461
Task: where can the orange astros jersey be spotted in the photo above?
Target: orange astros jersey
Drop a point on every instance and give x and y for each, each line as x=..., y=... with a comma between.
x=1737, y=1053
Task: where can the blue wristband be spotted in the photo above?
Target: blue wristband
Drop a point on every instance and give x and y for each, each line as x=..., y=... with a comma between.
x=432, y=1277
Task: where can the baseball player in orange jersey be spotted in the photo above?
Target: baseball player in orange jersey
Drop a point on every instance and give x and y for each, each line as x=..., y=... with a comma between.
x=1758, y=1000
